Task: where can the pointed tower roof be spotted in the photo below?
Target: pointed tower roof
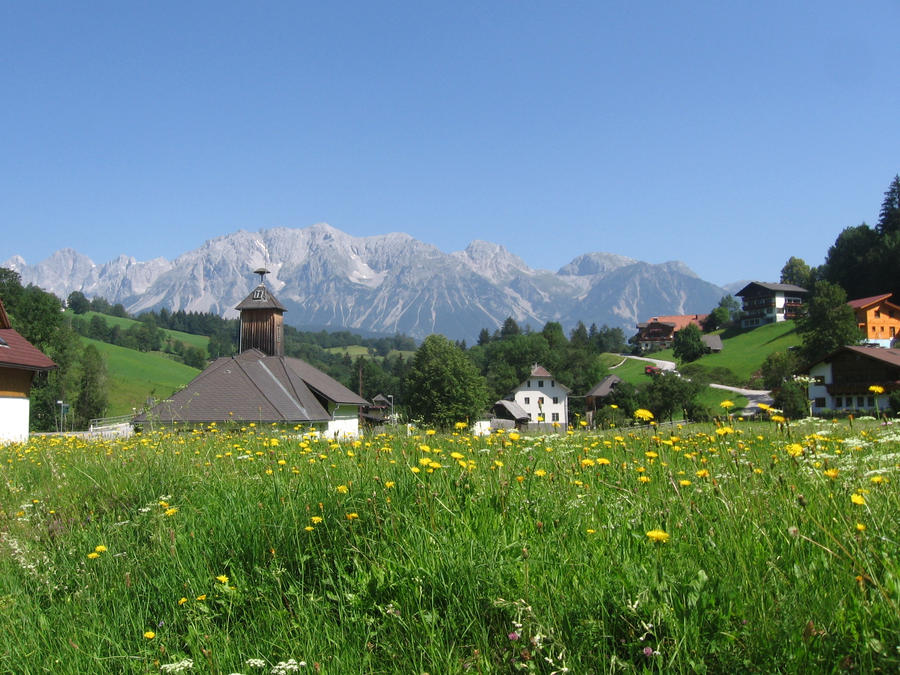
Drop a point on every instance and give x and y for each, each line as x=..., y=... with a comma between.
x=260, y=297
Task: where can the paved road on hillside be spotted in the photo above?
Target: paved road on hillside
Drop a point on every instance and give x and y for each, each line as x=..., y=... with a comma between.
x=754, y=396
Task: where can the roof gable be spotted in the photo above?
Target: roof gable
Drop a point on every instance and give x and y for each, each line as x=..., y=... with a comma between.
x=757, y=286
x=862, y=303
x=17, y=352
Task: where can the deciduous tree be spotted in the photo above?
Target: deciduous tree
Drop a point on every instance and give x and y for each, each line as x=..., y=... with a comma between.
x=443, y=386
x=829, y=323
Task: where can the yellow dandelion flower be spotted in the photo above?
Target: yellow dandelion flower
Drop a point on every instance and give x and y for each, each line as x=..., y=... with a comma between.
x=860, y=527
x=726, y=404
x=100, y=549
x=876, y=389
x=389, y=484
x=643, y=415
x=352, y=516
x=415, y=469
x=831, y=473
x=343, y=489
x=684, y=483
x=149, y=635
x=587, y=461
x=644, y=479
x=93, y=555
x=222, y=578
x=201, y=597
x=857, y=499
x=171, y=511
x=513, y=436
x=794, y=449
x=658, y=536
x=309, y=528
x=540, y=473
x=182, y=601
x=702, y=473
x=316, y=520
x=601, y=461
x=877, y=479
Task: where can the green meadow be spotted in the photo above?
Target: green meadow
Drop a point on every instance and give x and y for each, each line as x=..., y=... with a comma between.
x=755, y=546
x=133, y=376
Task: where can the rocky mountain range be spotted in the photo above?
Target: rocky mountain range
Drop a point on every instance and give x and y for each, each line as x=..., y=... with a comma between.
x=383, y=284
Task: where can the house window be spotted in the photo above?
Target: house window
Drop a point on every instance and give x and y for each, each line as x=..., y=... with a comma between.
x=892, y=331
x=540, y=400
x=527, y=400
x=541, y=384
x=860, y=401
x=871, y=401
x=555, y=417
x=552, y=383
x=838, y=402
x=877, y=314
x=556, y=399
x=820, y=402
x=529, y=384
x=819, y=379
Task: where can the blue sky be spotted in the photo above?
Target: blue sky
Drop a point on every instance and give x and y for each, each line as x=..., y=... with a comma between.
x=727, y=135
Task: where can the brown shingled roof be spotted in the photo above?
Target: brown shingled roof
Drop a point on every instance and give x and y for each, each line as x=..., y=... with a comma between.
x=16, y=351
x=253, y=387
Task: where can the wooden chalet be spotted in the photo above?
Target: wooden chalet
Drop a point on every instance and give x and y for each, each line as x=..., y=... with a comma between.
x=878, y=319
x=659, y=331
x=843, y=379
x=19, y=362
x=764, y=303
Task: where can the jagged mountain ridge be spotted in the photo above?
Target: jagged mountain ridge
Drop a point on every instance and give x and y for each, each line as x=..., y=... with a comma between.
x=384, y=283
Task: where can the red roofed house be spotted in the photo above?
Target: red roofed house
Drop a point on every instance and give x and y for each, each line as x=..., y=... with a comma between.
x=660, y=331
x=878, y=319
x=842, y=380
x=19, y=361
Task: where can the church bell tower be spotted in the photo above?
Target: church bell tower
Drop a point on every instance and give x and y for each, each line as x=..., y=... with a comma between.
x=262, y=320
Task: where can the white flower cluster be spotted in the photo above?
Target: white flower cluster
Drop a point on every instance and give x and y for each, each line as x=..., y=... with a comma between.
x=177, y=667
x=289, y=666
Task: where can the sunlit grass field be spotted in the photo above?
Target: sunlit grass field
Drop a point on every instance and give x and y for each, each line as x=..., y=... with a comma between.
x=751, y=547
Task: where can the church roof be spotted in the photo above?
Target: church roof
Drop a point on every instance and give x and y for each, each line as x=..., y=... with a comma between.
x=253, y=387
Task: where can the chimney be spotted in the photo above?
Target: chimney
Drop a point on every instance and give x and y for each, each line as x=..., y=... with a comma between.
x=262, y=320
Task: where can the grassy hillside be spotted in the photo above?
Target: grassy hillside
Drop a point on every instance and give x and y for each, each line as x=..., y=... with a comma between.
x=745, y=351
x=134, y=375
x=199, y=341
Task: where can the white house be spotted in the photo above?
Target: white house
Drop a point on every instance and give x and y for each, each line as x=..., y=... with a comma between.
x=543, y=398
x=770, y=303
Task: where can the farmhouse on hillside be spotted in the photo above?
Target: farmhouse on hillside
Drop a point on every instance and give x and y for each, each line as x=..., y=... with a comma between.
x=543, y=399
x=659, y=331
x=854, y=378
x=19, y=361
x=764, y=303
x=878, y=319
x=261, y=384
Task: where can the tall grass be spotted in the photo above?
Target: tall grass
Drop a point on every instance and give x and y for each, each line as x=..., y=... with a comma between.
x=450, y=554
